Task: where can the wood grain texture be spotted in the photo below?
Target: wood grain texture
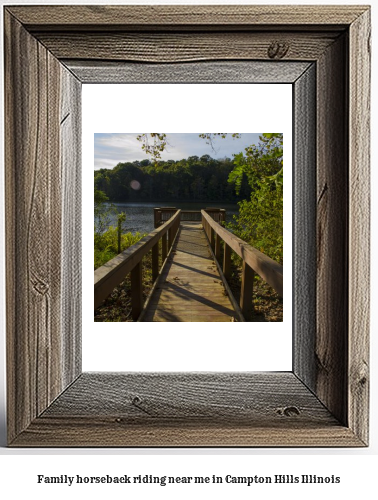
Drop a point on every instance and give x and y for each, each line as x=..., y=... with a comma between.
x=37, y=204
x=304, y=227
x=359, y=226
x=332, y=230
x=192, y=409
x=190, y=287
x=71, y=173
x=96, y=16
x=200, y=72
x=236, y=396
x=33, y=227
x=95, y=431
x=181, y=47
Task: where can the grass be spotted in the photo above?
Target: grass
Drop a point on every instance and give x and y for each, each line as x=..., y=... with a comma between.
x=106, y=244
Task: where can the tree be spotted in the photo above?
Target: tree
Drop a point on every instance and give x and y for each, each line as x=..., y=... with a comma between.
x=153, y=144
x=256, y=175
x=103, y=212
x=260, y=220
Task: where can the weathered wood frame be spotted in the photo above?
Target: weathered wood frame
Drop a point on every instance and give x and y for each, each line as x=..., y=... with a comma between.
x=49, y=52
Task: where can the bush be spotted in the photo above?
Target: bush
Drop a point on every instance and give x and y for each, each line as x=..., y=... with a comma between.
x=106, y=244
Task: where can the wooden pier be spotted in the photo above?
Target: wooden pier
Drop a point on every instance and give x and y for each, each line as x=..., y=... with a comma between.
x=191, y=284
x=190, y=287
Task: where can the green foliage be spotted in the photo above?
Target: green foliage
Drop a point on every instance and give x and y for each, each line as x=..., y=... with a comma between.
x=210, y=138
x=121, y=219
x=103, y=211
x=159, y=143
x=260, y=220
x=108, y=241
x=106, y=244
x=194, y=178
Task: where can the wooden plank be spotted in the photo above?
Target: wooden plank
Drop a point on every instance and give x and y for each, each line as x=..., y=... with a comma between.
x=198, y=72
x=64, y=17
x=212, y=238
x=187, y=409
x=217, y=247
x=71, y=171
x=118, y=432
x=177, y=394
x=164, y=247
x=186, y=47
x=136, y=291
x=246, y=293
x=168, y=317
x=37, y=299
x=332, y=232
x=359, y=226
x=304, y=213
x=189, y=289
x=155, y=261
x=227, y=261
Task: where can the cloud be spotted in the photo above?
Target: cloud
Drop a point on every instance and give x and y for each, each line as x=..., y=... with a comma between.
x=111, y=149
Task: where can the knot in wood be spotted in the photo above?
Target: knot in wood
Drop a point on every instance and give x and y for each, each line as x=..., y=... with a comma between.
x=278, y=50
x=140, y=404
x=288, y=411
x=41, y=287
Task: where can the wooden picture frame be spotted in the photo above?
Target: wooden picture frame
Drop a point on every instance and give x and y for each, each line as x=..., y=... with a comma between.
x=49, y=52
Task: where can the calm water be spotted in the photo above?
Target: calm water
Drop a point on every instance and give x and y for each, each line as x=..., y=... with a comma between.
x=140, y=216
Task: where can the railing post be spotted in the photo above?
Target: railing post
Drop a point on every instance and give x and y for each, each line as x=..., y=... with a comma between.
x=170, y=237
x=217, y=246
x=155, y=261
x=212, y=238
x=157, y=217
x=227, y=261
x=136, y=291
x=164, y=246
x=222, y=215
x=246, y=305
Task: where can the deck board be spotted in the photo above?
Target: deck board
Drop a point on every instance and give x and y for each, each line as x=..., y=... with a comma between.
x=190, y=288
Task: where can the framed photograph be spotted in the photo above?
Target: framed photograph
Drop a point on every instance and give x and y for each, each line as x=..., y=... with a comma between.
x=190, y=287
x=324, y=53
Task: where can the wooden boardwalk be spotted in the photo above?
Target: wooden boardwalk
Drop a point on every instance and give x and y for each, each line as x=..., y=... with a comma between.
x=190, y=288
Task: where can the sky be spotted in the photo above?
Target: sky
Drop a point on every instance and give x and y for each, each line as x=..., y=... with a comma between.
x=111, y=149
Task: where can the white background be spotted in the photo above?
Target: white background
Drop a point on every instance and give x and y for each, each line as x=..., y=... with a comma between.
x=197, y=347
x=357, y=467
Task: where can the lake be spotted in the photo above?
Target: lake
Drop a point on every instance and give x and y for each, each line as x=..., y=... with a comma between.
x=140, y=216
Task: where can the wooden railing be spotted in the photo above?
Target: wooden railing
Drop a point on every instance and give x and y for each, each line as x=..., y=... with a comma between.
x=162, y=214
x=254, y=261
x=111, y=274
x=191, y=215
x=217, y=214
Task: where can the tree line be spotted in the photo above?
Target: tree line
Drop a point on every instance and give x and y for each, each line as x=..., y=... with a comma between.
x=191, y=179
x=254, y=179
